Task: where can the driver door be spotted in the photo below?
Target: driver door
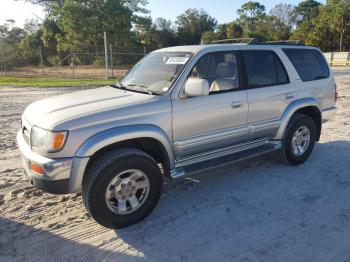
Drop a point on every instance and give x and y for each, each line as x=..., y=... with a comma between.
x=208, y=123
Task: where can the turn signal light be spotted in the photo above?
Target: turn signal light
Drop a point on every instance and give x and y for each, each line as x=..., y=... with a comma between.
x=36, y=168
x=58, y=140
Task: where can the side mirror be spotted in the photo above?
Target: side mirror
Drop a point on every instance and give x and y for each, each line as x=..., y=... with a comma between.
x=196, y=87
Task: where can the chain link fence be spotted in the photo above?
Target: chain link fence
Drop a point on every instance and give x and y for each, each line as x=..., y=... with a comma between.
x=79, y=63
x=92, y=63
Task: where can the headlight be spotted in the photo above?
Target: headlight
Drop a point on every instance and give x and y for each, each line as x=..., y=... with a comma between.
x=50, y=141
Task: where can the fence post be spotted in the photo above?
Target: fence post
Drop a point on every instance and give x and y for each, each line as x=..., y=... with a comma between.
x=41, y=60
x=111, y=56
x=332, y=57
x=106, y=53
x=144, y=50
x=72, y=62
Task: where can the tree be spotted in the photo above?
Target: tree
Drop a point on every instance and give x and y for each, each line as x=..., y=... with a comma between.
x=164, y=33
x=83, y=22
x=192, y=24
x=251, y=10
x=340, y=19
x=251, y=16
x=31, y=25
x=306, y=11
x=285, y=13
x=322, y=35
x=7, y=52
x=234, y=30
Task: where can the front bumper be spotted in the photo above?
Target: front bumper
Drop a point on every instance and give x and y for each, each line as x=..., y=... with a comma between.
x=57, y=171
x=328, y=114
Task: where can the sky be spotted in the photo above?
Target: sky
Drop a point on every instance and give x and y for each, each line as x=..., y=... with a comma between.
x=223, y=10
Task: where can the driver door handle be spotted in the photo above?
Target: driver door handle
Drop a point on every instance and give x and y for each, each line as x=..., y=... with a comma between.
x=236, y=104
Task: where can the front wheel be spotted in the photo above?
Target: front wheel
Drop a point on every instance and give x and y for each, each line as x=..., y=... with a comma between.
x=122, y=187
x=299, y=140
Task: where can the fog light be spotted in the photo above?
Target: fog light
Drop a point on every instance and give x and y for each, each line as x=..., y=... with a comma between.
x=36, y=168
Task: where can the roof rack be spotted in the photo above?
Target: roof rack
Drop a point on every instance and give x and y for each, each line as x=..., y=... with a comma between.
x=282, y=42
x=229, y=40
x=254, y=41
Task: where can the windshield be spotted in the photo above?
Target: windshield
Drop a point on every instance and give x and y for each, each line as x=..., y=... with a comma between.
x=156, y=72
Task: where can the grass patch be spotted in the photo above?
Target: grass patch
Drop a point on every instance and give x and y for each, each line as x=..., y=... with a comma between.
x=53, y=82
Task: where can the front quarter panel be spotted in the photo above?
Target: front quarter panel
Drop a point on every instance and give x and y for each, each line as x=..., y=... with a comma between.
x=112, y=136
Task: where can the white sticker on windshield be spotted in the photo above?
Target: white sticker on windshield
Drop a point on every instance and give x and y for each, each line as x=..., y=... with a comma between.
x=177, y=60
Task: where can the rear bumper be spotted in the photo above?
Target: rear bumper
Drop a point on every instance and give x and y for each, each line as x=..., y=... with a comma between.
x=328, y=114
x=55, y=179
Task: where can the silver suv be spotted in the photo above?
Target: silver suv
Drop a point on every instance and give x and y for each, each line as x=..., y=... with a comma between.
x=178, y=111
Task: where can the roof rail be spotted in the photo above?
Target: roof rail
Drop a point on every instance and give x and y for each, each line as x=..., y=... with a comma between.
x=282, y=42
x=226, y=41
x=254, y=41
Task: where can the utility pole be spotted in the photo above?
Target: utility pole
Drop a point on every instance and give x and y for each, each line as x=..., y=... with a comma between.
x=106, y=54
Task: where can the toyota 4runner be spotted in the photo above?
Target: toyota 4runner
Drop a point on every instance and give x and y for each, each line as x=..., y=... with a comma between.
x=178, y=111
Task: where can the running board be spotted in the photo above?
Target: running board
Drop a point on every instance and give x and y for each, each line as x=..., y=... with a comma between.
x=191, y=169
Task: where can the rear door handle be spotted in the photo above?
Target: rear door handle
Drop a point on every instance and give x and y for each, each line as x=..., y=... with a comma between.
x=289, y=96
x=237, y=104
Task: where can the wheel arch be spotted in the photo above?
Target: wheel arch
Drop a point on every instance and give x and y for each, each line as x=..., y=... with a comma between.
x=148, y=138
x=306, y=106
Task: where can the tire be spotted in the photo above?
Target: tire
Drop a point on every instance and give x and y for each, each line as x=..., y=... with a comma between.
x=297, y=123
x=104, y=171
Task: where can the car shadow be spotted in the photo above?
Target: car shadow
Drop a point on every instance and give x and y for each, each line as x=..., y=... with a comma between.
x=20, y=242
x=255, y=210
x=258, y=209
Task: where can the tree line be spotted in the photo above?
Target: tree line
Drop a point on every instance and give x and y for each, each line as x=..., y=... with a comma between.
x=71, y=25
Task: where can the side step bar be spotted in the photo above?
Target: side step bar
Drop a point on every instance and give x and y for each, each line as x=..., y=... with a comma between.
x=224, y=160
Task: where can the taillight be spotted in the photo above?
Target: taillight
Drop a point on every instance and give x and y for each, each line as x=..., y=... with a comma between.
x=335, y=93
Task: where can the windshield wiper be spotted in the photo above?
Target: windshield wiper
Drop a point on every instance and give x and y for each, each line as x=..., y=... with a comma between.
x=143, y=89
x=118, y=85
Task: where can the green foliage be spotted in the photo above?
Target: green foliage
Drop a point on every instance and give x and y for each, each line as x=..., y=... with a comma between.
x=99, y=60
x=78, y=25
x=192, y=24
x=54, y=60
x=7, y=52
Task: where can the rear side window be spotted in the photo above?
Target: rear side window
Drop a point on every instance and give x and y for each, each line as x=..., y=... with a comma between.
x=264, y=68
x=309, y=64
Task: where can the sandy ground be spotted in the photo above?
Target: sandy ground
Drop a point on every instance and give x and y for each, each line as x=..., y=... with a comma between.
x=257, y=210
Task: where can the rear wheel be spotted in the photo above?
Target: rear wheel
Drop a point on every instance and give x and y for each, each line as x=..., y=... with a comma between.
x=122, y=187
x=299, y=139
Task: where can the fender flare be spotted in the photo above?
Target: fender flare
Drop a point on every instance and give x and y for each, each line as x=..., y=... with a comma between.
x=123, y=133
x=291, y=109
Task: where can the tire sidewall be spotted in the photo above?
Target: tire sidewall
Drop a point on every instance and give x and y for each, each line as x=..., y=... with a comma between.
x=96, y=202
x=299, y=121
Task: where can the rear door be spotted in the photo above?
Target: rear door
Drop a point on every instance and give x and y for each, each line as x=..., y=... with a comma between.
x=315, y=78
x=269, y=92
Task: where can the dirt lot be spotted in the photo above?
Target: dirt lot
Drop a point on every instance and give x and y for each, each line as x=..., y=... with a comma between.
x=257, y=210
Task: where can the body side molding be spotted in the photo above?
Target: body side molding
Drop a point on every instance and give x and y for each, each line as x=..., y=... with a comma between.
x=291, y=109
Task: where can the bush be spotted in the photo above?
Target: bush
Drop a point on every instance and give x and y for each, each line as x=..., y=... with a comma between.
x=54, y=60
x=99, y=60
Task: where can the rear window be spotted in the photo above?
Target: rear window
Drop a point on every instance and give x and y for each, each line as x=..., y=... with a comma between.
x=309, y=64
x=264, y=68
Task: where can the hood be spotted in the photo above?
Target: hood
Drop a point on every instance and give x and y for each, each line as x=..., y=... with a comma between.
x=47, y=112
